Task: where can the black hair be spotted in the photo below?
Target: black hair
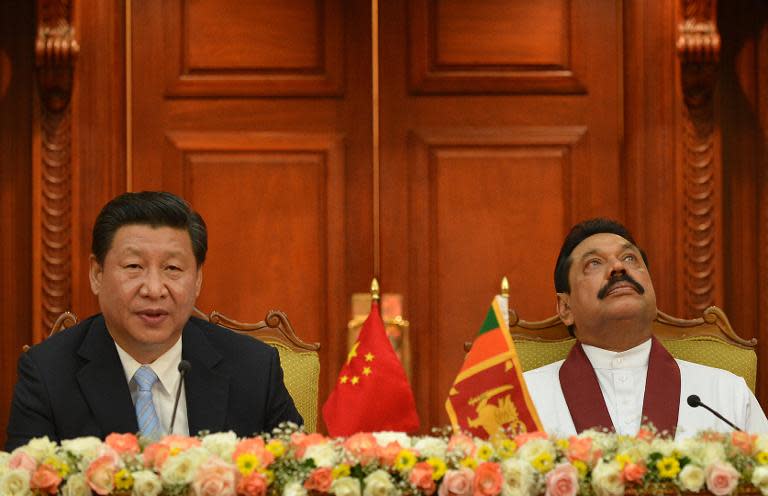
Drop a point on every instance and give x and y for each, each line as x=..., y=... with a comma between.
x=151, y=208
x=579, y=233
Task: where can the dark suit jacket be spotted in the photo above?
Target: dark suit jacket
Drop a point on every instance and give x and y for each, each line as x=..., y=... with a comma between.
x=73, y=385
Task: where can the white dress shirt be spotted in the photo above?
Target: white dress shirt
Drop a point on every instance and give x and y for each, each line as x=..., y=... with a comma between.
x=166, y=367
x=622, y=375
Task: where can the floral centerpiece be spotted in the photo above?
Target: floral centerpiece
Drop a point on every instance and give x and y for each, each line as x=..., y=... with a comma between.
x=292, y=463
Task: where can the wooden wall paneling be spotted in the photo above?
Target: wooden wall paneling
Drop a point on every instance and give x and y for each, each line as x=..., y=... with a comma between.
x=650, y=118
x=56, y=50
x=407, y=111
x=698, y=46
x=453, y=227
x=762, y=164
x=17, y=92
x=218, y=48
x=98, y=120
x=501, y=47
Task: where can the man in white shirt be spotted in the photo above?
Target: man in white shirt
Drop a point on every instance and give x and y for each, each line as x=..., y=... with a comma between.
x=618, y=376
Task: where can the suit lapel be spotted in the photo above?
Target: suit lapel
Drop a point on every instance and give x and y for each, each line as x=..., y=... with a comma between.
x=102, y=382
x=207, y=388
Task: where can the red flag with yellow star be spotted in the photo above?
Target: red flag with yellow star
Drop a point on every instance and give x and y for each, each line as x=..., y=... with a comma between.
x=372, y=392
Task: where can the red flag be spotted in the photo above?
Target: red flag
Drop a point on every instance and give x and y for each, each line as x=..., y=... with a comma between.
x=372, y=392
x=489, y=392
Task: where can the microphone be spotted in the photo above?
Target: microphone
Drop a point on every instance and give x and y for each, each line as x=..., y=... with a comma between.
x=184, y=367
x=695, y=401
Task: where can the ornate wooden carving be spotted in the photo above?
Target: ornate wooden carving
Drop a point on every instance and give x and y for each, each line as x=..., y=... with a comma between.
x=55, y=53
x=698, y=46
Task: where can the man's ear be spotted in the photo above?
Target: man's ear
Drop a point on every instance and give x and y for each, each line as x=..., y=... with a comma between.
x=564, y=308
x=199, y=281
x=94, y=274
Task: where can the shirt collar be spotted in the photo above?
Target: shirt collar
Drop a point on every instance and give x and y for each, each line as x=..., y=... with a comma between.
x=631, y=358
x=165, y=367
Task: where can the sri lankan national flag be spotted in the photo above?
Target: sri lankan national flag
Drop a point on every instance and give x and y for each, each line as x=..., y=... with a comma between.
x=489, y=392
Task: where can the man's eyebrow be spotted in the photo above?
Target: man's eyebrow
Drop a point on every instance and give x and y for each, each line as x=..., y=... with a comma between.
x=589, y=254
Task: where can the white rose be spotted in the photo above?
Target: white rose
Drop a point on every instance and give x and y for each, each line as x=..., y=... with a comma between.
x=15, y=483
x=383, y=438
x=760, y=479
x=692, y=478
x=4, y=462
x=181, y=468
x=324, y=454
x=82, y=447
x=40, y=448
x=221, y=444
x=535, y=448
x=431, y=447
x=76, y=485
x=146, y=483
x=294, y=489
x=519, y=478
x=379, y=483
x=606, y=479
x=346, y=486
x=761, y=443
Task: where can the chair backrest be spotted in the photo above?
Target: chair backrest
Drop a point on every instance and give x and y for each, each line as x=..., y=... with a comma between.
x=300, y=360
x=708, y=340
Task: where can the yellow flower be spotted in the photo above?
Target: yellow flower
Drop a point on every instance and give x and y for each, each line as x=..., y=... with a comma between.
x=542, y=462
x=60, y=466
x=506, y=448
x=762, y=458
x=668, y=467
x=276, y=447
x=623, y=459
x=438, y=467
x=405, y=460
x=581, y=467
x=562, y=444
x=247, y=463
x=341, y=470
x=123, y=480
x=268, y=474
x=484, y=452
x=468, y=462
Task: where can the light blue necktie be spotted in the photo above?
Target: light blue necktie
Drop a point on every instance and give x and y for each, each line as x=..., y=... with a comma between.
x=149, y=424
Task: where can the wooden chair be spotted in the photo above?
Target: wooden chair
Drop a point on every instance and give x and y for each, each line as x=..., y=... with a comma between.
x=300, y=360
x=708, y=340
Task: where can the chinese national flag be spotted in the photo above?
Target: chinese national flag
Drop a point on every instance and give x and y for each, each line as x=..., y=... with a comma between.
x=489, y=392
x=372, y=392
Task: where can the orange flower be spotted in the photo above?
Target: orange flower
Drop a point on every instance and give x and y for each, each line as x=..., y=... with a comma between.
x=645, y=434
x=488, y=479
x=320, y=479
x=123, y=443
x=256, y=447
x=362, y=446
x=253, y=485
x=743, y=441
x=45, y=479
x=155, y=455
x=421, y=477
x=633, y=472
x=580, y=449
x=388, y=453
x=463, y=443
x=303, y=441
x=523, y=438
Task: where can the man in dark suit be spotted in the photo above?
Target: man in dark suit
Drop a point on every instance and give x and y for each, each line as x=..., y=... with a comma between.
x=119, y=371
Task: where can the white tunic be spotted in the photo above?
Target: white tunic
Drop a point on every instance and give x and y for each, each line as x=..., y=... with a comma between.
x=622, y=382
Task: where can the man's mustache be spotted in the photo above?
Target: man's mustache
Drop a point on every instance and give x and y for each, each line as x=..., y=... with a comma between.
x=623, y=277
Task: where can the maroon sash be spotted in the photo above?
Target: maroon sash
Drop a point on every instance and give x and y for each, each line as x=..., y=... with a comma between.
x=587, y=405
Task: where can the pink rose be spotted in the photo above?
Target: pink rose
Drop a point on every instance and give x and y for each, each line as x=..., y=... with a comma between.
x=252, y=485
x=320, y=479
x=722, y=478
x=488, y=479
x=633, y=472
x=388, y=453
x=100, y=475
x=580, y=448
x=462, y=443
x=254, y=446
x=215, y=478
x=521, y=439
x=155, y=455
x=178, y=443
x=457, y=483
x=563, y=480
x=362, y=446
x=23, y=461
x=45, y=479
x=303, y=441
x=123, y=443
x=421, y=477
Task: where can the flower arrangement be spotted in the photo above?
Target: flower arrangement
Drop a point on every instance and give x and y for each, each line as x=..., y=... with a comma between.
x=289, y=462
